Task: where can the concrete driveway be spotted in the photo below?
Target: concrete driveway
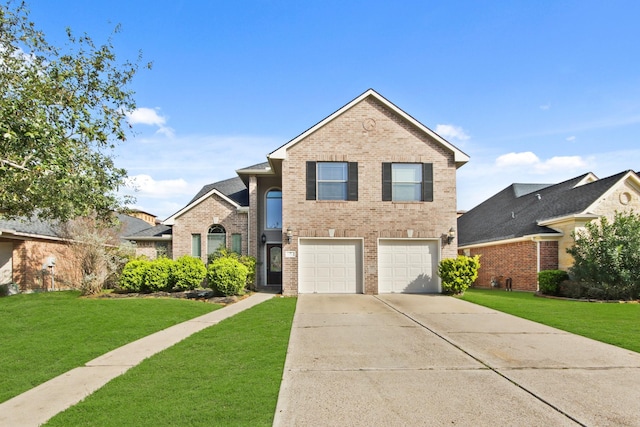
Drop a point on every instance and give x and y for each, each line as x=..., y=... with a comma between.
x=409, y=360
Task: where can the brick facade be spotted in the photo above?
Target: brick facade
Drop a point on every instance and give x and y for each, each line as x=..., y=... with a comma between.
x=386, y=138
x=29, y=257
x=517, y=260
x=198, y=219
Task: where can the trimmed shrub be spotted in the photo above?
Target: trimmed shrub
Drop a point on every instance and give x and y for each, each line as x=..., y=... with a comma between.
x=187, y=273
x=549, y=281
x=247, y=260
x=156, y=276
x=133, y=274
x=458, y=274
x=227, y=276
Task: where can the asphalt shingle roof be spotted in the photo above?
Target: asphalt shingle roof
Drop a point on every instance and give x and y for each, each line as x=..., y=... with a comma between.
x=516, y=210
x=155, y=231
x=233, y=188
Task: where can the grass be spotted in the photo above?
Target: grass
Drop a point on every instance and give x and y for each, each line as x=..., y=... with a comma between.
x=613, y=323
x=46, y=334
x=228, y=374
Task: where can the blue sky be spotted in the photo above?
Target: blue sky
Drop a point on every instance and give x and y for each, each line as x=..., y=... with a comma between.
x=533, y=91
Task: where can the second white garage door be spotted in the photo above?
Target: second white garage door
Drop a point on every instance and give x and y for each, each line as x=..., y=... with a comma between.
x=330, y=266
x=408, y=266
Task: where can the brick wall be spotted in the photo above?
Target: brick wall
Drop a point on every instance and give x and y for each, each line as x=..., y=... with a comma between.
x=517, y=260
x=198, y=220
x=29, y=257
x=346, y=139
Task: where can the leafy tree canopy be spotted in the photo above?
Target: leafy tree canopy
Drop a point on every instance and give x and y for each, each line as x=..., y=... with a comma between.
x=607, y=256
x=62, y=110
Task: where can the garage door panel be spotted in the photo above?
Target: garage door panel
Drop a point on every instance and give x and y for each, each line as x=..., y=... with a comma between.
x=330, y=266
x=408, y=266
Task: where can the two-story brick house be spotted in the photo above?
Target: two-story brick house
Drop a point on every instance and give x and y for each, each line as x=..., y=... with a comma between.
x=362, y=202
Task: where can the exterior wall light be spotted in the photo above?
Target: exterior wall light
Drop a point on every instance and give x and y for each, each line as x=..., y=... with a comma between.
x=451, y=235
x=263, y=239
x=289, y=234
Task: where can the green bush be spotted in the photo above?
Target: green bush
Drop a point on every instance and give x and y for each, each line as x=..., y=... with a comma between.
x=157, y=274
x=549, y=281
x=246, y=260
x=133, y=274
x=227, y=276
x=187, y=273
x=459, y=273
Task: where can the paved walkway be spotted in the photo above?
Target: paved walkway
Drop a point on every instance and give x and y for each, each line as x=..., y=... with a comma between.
x=410, y=360
x=38, y=405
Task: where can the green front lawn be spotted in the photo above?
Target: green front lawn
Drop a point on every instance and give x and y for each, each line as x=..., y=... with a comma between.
x=226, y=375
x=46, y=334
x=613, y=323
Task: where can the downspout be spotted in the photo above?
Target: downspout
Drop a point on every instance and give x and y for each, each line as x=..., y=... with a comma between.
x=537, y=261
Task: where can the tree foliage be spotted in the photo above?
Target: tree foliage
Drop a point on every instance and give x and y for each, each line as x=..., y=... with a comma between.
x=607, y=256
x=457, y=274
x=61, y=113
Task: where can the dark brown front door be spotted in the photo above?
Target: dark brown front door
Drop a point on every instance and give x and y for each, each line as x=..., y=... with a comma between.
x=274, y=264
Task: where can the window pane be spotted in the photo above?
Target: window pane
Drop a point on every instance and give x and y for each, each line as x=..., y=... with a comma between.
x=214, y=241
x=407, y=192
x=274, y=209
x=275, y=259
x=332, y=191
x=195, y=245
x=405, y=172
x=236, y=243
x=332, y=171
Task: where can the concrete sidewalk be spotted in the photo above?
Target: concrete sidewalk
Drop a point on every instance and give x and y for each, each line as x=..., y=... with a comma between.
x=414, y=360
x=39, y=404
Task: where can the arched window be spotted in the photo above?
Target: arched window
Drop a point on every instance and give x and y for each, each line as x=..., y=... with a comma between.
x=216, y=238
x=274, y=210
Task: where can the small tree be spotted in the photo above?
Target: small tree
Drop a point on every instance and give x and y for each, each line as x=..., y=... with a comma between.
x=187, y=273
x=607, y=256
x=98, y=252
x=459, y=273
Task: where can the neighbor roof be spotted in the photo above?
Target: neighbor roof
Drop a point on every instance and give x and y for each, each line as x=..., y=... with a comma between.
x=517, y=210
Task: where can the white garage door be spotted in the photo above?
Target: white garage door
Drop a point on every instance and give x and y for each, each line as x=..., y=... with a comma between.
x=330, y=266
x=408, y=266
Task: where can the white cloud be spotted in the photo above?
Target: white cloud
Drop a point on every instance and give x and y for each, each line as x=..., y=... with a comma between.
x=517, y=159
x=571, y=138
x=150, y=117
x=452, y=132
x=145, y=186
x=535, y=165
x=545, y=107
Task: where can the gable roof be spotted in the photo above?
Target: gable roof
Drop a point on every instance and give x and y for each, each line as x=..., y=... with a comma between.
x=232, y=190
x=459, y=156
x=519, y=209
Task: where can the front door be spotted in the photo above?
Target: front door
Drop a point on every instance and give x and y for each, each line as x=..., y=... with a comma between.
x=274, y=264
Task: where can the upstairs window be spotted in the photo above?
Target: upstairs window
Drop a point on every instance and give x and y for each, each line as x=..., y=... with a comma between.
x=274, y=209
x=332, y=181
x=407, y=182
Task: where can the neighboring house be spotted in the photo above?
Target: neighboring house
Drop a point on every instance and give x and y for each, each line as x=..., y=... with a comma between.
x=31, y=250
x=527, y=228
x=362, y=202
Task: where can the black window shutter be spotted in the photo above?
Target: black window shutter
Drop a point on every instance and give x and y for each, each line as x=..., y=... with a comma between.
x=386, y=182
x=311, y=180
x=427, y=182
x=352, y=185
